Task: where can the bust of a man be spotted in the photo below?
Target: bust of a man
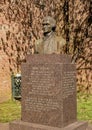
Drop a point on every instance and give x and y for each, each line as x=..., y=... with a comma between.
x=49, y=43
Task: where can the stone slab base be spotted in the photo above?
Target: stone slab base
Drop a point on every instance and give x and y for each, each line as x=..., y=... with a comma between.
x=20, y=125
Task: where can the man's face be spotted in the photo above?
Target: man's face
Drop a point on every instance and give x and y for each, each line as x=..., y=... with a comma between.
x=47, y=28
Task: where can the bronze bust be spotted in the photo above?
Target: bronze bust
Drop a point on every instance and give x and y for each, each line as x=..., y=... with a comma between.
x=49, y=43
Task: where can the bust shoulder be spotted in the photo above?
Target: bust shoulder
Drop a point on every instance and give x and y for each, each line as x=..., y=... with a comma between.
x=38, y=46
x=38, y=42
x=61, y=40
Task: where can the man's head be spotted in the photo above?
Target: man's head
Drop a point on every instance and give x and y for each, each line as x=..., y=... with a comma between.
x=49, y=24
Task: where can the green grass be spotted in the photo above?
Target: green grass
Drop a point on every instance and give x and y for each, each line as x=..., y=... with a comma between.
x=11, y=110
x=84, y=108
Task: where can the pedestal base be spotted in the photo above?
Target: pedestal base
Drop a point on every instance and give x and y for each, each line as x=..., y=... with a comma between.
x=20, y=125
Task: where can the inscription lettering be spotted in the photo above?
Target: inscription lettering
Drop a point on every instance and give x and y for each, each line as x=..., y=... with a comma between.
x=68, y=83
x=41, y=104
x=42, y=80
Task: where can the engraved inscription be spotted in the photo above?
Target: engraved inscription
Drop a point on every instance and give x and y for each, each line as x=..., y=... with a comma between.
x=43, y=93
x=42, y=80
x=68, y=83
x=41, y=104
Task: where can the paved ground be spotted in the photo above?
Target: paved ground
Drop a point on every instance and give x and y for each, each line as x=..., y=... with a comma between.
x=5, y=126
x=89, y=127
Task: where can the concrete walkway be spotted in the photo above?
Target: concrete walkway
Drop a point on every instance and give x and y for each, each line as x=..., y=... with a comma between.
x=5, y=126
x=90, y=127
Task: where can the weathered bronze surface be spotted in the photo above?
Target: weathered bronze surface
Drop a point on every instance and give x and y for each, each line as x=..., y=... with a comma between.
x=50, y=42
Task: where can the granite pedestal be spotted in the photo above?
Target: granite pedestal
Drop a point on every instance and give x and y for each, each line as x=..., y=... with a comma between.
x=48, y=94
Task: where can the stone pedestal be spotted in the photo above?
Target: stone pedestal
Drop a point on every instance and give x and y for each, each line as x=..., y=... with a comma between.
x=20, y=125
x=48, y=94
